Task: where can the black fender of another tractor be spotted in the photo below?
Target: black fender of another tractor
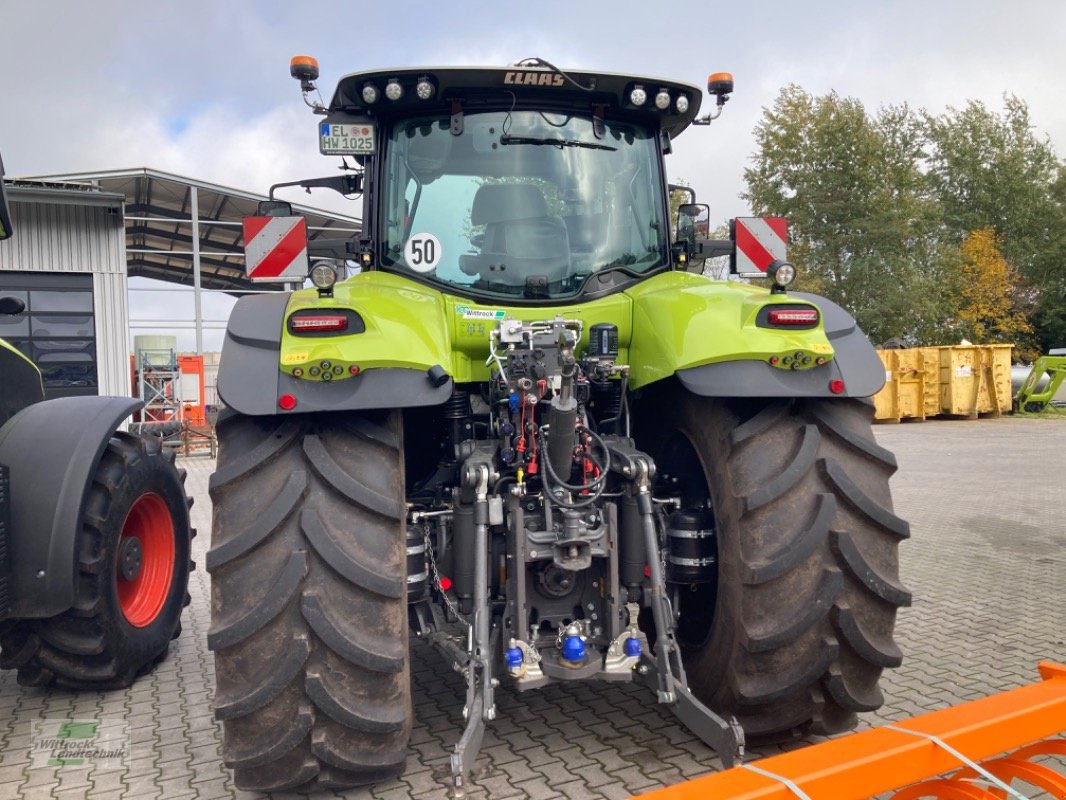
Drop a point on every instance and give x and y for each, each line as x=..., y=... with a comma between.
x=250, y=380
x=855, y=362
x=50, y=451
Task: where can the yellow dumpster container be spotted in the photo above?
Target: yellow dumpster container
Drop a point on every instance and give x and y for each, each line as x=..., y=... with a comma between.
x=975, y=379
x=911, y=384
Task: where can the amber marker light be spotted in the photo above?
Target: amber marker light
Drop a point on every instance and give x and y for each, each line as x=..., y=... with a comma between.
x=304, y=67
x=719, y=83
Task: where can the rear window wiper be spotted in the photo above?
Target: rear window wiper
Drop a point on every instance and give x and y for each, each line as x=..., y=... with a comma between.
x=560, y=143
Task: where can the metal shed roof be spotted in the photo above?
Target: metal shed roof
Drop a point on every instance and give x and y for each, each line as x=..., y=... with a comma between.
x=165, y=212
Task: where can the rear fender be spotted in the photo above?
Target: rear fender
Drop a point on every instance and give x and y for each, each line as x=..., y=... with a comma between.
x=51, y=450
x=259, y=358
x=709, y=334
x=855, y=364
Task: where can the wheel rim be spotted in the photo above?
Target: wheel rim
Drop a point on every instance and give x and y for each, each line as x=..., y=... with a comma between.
x=141, y=595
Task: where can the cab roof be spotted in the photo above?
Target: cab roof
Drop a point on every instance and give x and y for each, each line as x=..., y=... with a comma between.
x=522, y=86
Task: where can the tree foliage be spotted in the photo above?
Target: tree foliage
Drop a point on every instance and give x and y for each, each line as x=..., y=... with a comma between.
x=851, y=189
x=990, y=170
x=989, y=292
x=896, y=214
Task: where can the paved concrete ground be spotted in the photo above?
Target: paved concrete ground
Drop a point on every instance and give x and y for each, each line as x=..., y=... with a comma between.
x=986, y=563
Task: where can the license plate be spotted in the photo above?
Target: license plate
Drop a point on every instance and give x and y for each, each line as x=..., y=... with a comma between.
x=344, y=139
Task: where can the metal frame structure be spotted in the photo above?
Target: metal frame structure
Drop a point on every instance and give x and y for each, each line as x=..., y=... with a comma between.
x=188, y=232
x=158, y=379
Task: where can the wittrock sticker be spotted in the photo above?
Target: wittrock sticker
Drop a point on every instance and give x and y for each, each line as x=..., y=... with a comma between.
x=422, y=252
x=466, y=312
x=103, y=744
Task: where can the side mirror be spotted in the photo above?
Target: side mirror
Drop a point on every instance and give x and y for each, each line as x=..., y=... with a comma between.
x=693, y=222
x=681, y=194
x=11, y=305
x=274, y=208
x=5, y=218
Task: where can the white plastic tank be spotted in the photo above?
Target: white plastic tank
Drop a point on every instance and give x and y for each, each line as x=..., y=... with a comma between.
x=156, y=350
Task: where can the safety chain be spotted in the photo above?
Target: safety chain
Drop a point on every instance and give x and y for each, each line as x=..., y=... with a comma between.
x=436, y=578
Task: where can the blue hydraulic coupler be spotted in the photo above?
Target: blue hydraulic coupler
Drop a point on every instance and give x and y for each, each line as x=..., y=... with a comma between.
x=633, y=649
x=514, y=658
x=573, y=649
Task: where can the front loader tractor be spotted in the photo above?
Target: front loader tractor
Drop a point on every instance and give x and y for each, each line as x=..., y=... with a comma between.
x=512, y=417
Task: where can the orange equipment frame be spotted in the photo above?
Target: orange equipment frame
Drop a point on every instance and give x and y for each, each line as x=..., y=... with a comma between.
x=865, y=764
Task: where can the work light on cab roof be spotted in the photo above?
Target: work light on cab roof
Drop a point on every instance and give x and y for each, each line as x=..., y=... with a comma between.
x=449, y=84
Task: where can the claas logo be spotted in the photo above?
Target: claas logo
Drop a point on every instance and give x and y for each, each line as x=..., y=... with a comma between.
x=526, y=78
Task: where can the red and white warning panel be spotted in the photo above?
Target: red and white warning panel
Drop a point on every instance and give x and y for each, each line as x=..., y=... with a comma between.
x=275, y=248
x=759, y=241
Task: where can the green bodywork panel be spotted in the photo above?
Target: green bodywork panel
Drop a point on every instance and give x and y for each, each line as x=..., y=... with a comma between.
x=669, y=322
x=20, y=382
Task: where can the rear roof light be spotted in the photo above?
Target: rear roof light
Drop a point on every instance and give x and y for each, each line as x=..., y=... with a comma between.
x=319, y=322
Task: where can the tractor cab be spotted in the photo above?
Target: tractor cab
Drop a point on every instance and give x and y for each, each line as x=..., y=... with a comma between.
x=519, y=184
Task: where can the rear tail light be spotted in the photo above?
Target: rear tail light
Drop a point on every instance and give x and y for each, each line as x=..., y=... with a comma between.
x=789, y=315
x=805, y=317
x=319, y=323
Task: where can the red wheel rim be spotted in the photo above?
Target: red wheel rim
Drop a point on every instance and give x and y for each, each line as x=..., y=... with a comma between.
x=142, y=597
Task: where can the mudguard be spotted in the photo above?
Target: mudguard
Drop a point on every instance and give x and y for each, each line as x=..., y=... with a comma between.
x=51, y=450
x=855, y=363
x=250, y=381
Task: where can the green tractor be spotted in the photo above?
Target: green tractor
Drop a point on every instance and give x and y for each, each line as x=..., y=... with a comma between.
x=528, y=430
x=94, y=533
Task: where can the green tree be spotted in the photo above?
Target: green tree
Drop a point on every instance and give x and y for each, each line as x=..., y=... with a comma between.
x=863, y=230
x=990, y=169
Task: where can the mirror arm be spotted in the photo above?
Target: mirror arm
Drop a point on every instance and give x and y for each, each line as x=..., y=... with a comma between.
x=712, y=248
x=344, y=184
x=338, y=249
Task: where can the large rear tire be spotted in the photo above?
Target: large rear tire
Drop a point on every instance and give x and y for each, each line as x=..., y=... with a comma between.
x=132, y=552
x=308, y=600
x=796, y=633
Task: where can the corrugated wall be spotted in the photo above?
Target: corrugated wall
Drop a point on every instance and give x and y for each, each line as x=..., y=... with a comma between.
x=53, y=237
x=71, y=237
x=112, y=325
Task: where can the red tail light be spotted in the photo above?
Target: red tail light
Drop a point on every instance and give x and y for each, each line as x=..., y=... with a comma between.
x=793, y=317
x=321, y=322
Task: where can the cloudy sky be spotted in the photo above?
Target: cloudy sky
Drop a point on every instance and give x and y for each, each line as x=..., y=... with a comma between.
x=202, y=88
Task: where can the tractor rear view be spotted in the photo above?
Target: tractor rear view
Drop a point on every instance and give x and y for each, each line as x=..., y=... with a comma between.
x=94, y=533
x=529, y=430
